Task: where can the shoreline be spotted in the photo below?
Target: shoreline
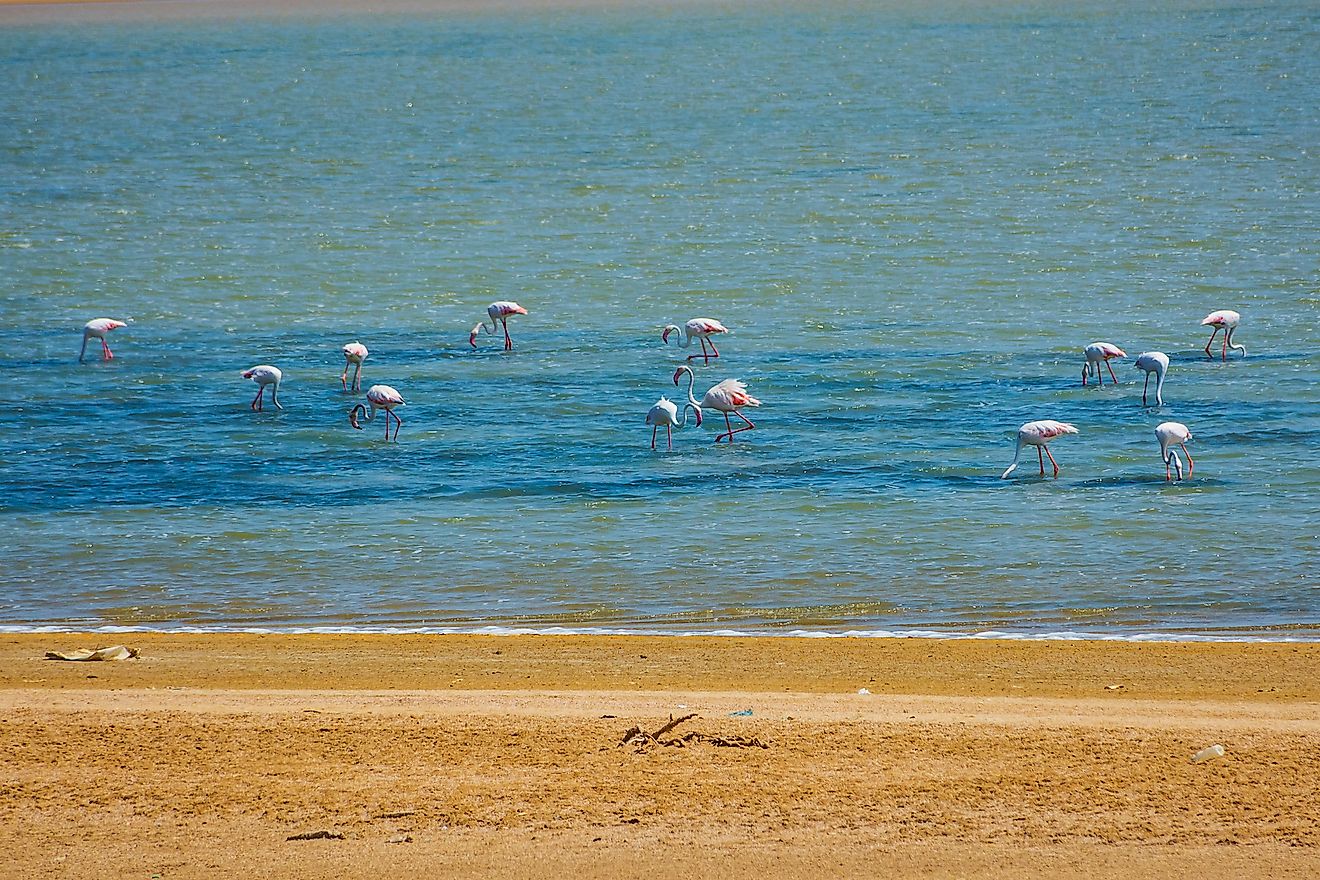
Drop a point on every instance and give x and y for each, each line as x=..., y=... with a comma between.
x=503, y=756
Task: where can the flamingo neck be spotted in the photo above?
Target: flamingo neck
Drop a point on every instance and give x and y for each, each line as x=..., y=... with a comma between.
x=1017, y=453
x=692, y=400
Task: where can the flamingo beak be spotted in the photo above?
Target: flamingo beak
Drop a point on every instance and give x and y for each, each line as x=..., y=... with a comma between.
x=677, y=373
x=352, y=418
x=698, y=412
x=472, y=340
x=664, y=337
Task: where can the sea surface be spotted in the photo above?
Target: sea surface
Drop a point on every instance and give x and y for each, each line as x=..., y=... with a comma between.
x=913, y=217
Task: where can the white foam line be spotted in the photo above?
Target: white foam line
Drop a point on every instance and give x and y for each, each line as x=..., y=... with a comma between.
x=1067, y=636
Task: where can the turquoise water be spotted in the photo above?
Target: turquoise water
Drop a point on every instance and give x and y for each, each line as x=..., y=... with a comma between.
x=913, y=219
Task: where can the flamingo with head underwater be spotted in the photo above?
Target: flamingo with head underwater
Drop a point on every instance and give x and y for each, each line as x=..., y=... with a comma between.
x=354, y=354
x=729, y=397
x=1156, y=362
x=96, y=329
x=1169, y=433
x=264, y=375
x=1098, y=353
x=697, y=328
x=1226, y=320
x=1039, y=434
x=664, y=412
x=379, y=397
x=499, y=314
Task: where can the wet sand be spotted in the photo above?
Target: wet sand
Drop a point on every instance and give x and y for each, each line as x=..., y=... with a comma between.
x=477, y=756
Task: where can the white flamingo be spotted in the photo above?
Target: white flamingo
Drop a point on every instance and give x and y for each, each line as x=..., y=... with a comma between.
x=729, y=397
x=96, y=329
x=1098, y=353
x=265, y=375
x=1226, y=320
x=664, y=412
x=354, y=354
x=1156, y=362
x=379, y=397
x=1169, y=433
x=1039, y=434
x=499, y=314
x=697, y=328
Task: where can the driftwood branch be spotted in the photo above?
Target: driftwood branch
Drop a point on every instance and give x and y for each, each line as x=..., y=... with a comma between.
x=641, y=739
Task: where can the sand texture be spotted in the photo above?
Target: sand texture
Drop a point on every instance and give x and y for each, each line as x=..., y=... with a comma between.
x=486, y=756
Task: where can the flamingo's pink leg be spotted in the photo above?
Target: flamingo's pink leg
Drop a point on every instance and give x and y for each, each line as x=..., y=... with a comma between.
x=733, y=430
x=343, y=380
x=703, y=355
x=256, y=401
x=508, y=343
x=1041, y=459
x=654, y=428
x=1167, y=476
x=716, y=351
x=1190, y=463
x=107, y=354
x=1211, y=341
x=1100, y=377
x=1225, y=345
x=729, y=434
x=1111, y=372
x=1052, y=461
x=669, y=435
x=1144, y=386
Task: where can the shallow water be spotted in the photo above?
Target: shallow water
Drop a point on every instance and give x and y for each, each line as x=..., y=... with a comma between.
x=913, y=220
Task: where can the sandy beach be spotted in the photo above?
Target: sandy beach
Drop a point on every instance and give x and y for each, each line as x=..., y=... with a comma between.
x=474, y=756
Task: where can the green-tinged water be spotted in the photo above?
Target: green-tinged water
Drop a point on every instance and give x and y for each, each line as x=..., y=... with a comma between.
x=913, y=220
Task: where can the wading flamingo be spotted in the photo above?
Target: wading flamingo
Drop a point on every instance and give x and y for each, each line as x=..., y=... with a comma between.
x=379, y=397
x=728, y=396
x=499, y=313
x=1156, y=362
x=96, y=329
x=354, y=354
x=666, y=413
x=697, y=328
x=1039, y=434
x=1226, y=320
x=265, y=375
x=1098, y=353
x=1169, y=433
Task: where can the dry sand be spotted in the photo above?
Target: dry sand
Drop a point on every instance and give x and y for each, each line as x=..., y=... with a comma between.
x=487, y=756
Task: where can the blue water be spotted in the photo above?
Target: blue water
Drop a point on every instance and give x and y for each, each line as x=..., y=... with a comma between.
x=913, y=217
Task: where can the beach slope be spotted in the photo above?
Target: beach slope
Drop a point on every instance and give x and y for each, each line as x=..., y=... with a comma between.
x=479, y=756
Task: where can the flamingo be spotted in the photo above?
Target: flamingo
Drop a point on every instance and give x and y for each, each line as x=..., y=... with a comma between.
x=96, y=329
x=728, y=396
x=697, y=328
x=265, y=375
x=354, y=353
x=499, y=312
x=666, y=413
x=1226, y=320
x=1098, y=353
x=1169, y=433
x=1039, y=434
x=379, y=397
x=1156, y=362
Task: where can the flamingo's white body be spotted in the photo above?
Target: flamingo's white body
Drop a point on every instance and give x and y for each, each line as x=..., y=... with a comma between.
x=1226, y=320
x=1169, y=433
x=729, y=397
x=1098, y=353
x=665, y=413
x=1156, y=362
x=354, y=354
x=499, y=314
x=697, y=328
x=1039, y=434
x=265, y=375
x=379, y=397
x=96, y=329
